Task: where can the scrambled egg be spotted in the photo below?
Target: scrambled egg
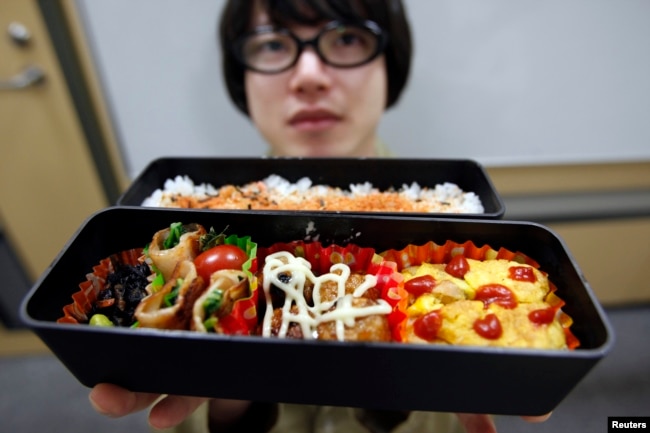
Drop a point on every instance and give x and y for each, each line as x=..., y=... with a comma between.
x=462, y=317
x=497, y=272
x=437, y=271
x=517, y=329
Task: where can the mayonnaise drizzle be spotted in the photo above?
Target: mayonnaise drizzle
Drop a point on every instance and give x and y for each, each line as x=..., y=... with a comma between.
x=309, y=317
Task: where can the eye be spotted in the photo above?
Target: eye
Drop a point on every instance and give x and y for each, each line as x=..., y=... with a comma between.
x=267, y=43
x=348, y=38
x=268, y=51
x=347, y=46
x=272, y=45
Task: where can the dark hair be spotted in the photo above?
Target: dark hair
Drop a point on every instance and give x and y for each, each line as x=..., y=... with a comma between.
x=388, y=14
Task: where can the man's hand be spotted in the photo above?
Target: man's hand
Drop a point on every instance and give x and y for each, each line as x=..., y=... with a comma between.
x=168, y=411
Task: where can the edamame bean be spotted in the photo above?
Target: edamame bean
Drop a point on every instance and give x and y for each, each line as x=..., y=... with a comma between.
x=100, y=320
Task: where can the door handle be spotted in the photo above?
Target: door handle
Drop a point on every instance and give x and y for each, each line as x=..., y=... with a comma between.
x=30, y=76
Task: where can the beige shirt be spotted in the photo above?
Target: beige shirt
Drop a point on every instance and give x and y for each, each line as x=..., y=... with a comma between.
x=382, y=150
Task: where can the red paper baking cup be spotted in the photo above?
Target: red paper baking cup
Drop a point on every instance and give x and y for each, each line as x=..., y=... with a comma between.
x=322, y=257
x=85, y=298
x=414, y=255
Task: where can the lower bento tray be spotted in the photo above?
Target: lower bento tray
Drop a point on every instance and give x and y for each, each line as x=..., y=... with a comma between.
x=373, y=375
x=383, y=173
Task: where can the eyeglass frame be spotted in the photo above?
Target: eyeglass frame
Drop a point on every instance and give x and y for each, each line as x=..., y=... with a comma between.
x=374, y=28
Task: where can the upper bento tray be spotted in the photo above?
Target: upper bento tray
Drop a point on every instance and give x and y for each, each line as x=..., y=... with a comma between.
x=382, y=173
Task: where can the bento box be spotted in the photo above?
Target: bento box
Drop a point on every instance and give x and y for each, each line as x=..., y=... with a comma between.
x=380, y=375
x=462, y=186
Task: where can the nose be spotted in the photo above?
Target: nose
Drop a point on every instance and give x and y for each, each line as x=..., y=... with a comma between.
x=310, y=73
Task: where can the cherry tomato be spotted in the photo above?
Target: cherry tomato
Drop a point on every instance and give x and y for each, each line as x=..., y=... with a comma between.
x=457, y=266
x=218, y=258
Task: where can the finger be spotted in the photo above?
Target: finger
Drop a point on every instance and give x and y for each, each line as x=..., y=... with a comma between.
x=224, y=411
x=114, y=401
x=477, y=423
x=172, y=410
x=539, y=418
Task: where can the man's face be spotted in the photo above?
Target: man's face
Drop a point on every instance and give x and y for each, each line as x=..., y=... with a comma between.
x=317, y=110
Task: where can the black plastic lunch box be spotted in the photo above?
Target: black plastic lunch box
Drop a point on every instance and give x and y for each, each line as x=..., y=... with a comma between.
x=373, y=375
x=383, y=173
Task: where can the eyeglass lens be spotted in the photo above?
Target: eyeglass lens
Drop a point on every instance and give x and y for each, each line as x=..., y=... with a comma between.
x=343, y=46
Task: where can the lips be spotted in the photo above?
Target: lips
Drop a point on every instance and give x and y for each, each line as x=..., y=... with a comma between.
x=314, y=120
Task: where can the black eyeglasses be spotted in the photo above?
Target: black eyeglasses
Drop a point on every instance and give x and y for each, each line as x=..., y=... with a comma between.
x=270, y=50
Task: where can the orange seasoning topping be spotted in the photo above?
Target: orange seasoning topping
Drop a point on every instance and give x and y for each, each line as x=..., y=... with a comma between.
x=385, y=201
x=275, y=192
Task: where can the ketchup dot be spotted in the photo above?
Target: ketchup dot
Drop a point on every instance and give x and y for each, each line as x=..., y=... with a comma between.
x=457, y=266
x=496, y=293
x=426, y=327
x=420, y=285
x=542, y=316
x=488, y=327
x=522, y=273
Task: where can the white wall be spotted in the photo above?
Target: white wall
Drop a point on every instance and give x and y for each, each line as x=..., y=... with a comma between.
x=499, y=81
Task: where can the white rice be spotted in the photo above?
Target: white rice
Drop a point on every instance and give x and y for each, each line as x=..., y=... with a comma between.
x=446, y=197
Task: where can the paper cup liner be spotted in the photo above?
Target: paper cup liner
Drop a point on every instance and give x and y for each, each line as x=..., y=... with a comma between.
x=84, y=299
x=322, y=257
x=242, y=320
x=390, y=284
x=414, y=255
